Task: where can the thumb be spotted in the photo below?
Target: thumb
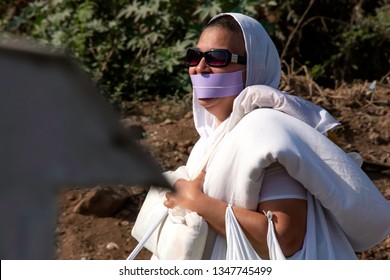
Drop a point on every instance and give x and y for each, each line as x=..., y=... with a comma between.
x=170, y=201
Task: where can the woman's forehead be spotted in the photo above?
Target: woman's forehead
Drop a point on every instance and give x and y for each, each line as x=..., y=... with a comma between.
x=216, y=37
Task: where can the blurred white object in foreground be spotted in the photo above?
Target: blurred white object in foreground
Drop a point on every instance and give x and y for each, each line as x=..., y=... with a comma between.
x=55, y=130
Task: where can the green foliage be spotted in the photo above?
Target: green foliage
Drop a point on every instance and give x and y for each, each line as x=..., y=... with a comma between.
x=343, y=42
x=135, y=49
x=364, y=48
x=132, y=49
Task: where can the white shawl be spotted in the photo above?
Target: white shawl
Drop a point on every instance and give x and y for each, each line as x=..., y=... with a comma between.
x=263, y=66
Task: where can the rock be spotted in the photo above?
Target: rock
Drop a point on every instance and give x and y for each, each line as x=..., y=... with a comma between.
x=137, y=190
x=189, y=115
x=168, y=121
x=124, y=223
x=112, y=246
x=102, y=201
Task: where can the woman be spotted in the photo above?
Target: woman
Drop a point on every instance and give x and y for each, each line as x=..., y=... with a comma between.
x=250, y=155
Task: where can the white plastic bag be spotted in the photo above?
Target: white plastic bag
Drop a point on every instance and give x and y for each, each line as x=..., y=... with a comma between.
x=239, y=247
x=169, y=234
x=274, y=250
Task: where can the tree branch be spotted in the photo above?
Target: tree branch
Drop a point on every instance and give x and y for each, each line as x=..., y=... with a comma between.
x=296, y=29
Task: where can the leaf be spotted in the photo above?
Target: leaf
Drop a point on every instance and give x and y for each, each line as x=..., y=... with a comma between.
x=208, y=10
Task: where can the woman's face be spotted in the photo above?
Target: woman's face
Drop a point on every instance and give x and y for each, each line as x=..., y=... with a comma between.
x=219, y=38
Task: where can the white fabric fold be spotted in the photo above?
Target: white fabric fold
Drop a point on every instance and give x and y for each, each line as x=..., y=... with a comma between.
x=260, y=96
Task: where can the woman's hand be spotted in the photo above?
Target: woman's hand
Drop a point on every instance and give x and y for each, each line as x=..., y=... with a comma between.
x=186, y=194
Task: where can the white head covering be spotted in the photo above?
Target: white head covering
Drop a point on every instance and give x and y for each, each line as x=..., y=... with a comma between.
x=263, y=66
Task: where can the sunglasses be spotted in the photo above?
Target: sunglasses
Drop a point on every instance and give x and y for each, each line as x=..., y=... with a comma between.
x=213, y=57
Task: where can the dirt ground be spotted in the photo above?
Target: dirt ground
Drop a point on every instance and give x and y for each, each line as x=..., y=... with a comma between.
x=167, y=130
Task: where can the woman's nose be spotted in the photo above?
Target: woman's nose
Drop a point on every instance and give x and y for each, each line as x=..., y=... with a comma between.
x=202, y=67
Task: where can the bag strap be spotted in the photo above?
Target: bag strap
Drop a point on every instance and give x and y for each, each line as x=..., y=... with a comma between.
x=239, y=247
x=144, y=239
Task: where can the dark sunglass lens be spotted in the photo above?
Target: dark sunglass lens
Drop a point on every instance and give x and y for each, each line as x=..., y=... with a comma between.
x=193, y=57
x=216, y=58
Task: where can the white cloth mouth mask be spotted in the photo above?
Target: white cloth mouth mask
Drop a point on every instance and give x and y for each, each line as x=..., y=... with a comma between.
x=217, y=85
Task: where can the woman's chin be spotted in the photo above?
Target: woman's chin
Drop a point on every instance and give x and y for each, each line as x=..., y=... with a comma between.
x=206, y=102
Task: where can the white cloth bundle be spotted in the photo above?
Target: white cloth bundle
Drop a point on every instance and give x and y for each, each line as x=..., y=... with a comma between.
x=329, y=174
x=346, y=209
x=170, y=234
